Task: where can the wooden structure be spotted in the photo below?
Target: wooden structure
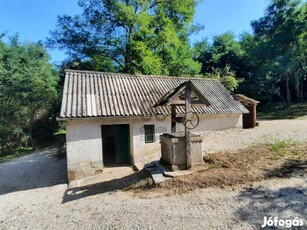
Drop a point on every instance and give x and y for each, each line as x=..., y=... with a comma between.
x=249, y=119
x=187, y=95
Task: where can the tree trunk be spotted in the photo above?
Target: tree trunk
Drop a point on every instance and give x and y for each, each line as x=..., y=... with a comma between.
x=29, y=142
x=30, y=129
x=288, y=90
x=282, y=99
x=298, y=91
x=302, y=91
x=2, y=149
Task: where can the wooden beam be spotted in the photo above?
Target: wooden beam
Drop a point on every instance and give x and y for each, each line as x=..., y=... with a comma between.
x=179, y=93
x=187, y=131
x=173, y=117
x=182, y=102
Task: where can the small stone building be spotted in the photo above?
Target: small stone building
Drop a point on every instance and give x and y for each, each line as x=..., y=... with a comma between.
x=110, y=119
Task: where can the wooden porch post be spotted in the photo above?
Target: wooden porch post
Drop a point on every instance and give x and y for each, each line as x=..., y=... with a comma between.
x=187, y=131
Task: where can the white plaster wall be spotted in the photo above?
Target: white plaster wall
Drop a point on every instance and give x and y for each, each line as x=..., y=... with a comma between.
x=84, y=152
x=216, y=122
x=84, y=142
x=145, y=152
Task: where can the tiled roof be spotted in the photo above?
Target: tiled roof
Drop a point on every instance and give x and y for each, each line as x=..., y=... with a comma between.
x=97, y=94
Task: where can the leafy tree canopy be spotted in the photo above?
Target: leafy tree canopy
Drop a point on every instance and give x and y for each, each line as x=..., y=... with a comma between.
x=133, y=36
x=27, y=89
x=221, y=60
x=271, y=62
x=280, y=46
x=224, y=51
x=226, y=76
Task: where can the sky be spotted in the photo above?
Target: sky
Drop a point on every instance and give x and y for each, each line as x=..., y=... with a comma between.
x=34, y=19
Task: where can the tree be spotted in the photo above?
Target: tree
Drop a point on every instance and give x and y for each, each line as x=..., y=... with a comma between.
x=224, y=51
x=27, y=90
x=221, y=60
x=259, y=81
x=280, y=33
x=132, y=36
x=271, y=62
x=226, y=76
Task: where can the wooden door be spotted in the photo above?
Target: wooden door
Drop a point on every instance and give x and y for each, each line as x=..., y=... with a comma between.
x=122, y=144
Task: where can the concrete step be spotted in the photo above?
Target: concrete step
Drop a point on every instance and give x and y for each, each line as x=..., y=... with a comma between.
x=156, y=173
x=168, y=173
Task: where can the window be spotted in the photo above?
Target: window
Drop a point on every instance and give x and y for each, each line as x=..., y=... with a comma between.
x=149, y=133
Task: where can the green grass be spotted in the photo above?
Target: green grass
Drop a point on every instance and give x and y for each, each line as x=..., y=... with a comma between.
x=278, y=149
x=19, y=153
x=62, y=131
x=277, y=112
x=283, y=148
x=279, y=146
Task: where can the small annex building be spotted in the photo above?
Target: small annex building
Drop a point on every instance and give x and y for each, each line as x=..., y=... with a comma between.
x=111, y=120
x=249, y=119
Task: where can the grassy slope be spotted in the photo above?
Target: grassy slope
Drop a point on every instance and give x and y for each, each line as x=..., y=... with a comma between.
x=295, y=111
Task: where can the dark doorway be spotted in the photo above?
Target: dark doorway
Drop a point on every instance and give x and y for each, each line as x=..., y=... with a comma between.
x=115, y=144
x=249, y=119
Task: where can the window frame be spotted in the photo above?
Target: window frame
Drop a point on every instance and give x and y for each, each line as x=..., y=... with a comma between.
x=146, y=133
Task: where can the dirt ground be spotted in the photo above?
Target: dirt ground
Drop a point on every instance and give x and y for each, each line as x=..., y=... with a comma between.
x=255, y=163
x=34, y=195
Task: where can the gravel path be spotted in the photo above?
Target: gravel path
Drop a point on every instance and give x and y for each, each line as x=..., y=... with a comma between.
x=40, y=169
x=34, y=195
x=211, y=208
x=267, y=132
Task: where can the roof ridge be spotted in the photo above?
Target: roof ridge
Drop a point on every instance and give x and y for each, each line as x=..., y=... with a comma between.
x=90, y=71
x=140, y=75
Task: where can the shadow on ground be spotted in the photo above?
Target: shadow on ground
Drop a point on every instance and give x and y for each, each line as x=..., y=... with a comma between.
x=289, y=169
x=44, y=168
x=108, y=186
x=284, y=203
x=140, y=181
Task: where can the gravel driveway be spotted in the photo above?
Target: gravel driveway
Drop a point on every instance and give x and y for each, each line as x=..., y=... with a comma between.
x=267, y=132
x=34, y=195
